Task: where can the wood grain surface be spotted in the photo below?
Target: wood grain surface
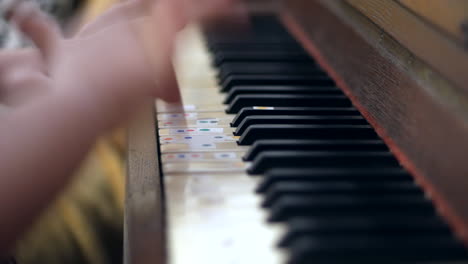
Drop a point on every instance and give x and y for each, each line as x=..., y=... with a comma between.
x=420, y=115
x=448, y=15
x=446, y=56
x=144, y=238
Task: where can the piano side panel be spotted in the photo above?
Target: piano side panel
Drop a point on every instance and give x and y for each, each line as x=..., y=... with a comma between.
x=144, y=236
x=422, y=119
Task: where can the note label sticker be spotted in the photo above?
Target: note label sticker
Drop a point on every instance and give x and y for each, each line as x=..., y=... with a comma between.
x=196, y=156
x=208, y=130
x=170, y=156
x=211, y=130
x=179, y=116
x=208, y=122
x=225, y=155
x=204, y=145
x=263, y=108
x=183, y=157
x=195, y=139
x=167, y=140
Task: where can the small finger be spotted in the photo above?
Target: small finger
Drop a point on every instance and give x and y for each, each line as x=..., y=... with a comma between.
x=167, y=82
x=38, y=27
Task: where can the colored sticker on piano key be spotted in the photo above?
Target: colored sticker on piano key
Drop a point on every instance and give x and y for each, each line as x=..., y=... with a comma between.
x=199, y=147
x=193, y=116
x=203, y=145
x=202, y=156
x=196, y=139
x=226, y=155
x=208, y=122
x=178, y=116
x=194, y=123
x=193, y=131
x=177, y=157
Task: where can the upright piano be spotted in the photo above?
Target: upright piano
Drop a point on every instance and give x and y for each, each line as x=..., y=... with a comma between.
x=331, y=132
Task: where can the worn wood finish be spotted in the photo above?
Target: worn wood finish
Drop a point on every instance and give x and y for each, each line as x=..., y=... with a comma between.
x=144, y=240
x=447, y=15
x=426, y=42
x=421, y=116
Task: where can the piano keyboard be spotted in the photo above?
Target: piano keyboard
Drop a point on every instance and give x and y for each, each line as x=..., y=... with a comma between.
x=271, y=163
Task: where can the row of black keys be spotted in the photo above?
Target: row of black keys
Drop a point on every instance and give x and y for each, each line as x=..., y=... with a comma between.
x=325, y=172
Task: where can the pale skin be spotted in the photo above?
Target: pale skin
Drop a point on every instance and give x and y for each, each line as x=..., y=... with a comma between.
x=66, y=92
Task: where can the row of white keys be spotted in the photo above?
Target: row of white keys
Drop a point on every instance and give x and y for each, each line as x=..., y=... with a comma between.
x=213, y=213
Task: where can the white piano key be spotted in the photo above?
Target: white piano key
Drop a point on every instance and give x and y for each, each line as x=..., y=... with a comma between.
x=213, y=212
x=212, y=219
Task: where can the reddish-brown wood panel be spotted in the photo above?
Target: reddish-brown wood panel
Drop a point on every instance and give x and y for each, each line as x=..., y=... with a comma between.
x=424, y=132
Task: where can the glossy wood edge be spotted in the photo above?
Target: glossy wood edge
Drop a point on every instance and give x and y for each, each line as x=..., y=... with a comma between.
x=424, y=129
x=421, y=38
x=144, y=222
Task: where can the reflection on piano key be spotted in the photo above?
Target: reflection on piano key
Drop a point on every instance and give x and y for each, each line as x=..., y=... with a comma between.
x=214, y=218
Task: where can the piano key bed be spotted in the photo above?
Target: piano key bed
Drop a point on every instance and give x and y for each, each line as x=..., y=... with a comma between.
x=271, y=163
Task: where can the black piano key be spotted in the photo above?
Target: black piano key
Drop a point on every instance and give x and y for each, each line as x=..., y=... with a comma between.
x=283, y=100
x=233, y=68
x=271, y=89
x=258, y=132
x=311, y=120
x=353, y=225
x=283, y=188
x=289, y=206
x=334, y=249
x=247, y=111
x=338, y=191
x=332, y=175
x=274, y=79
x=315, y=145
x=253, y=46
x=242, y=38
x=260, y=56
x=321, y=159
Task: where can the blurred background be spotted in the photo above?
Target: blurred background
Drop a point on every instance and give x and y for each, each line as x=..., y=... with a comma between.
x=84, y=225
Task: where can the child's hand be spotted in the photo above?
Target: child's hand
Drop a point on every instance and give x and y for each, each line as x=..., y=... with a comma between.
x=21, y=76
x=111, y=38
x=108, y=67
x=22, y=71
x=91, y=82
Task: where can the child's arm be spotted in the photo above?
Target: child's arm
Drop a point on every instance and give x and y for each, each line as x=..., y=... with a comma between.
x=92, y=87
x=93, y=82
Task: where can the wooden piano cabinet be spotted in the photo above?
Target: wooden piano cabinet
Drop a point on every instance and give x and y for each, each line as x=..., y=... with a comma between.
x=420, y=112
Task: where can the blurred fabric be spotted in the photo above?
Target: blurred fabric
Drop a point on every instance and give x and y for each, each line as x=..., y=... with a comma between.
x=85, y=223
